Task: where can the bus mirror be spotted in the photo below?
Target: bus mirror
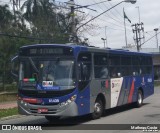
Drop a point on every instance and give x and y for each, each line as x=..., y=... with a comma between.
x=15, y=66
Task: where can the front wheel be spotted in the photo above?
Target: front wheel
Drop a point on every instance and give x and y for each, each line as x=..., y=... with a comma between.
x=98, y=109
x=139, y=99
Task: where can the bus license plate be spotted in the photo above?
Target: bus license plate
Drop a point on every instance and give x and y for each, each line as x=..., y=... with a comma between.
x=42, y=110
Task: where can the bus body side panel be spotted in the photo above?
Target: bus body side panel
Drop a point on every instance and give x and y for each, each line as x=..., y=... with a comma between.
x=135, y=85
x=99, y=86
x=124, y=93
x=148, y=85
x=128, y=91
x=130, y=88
x=83, y=101
x=116, y=87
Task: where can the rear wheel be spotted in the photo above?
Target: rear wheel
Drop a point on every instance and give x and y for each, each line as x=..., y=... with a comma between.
x=98, y=109
x=139, y=99
x=52, y=118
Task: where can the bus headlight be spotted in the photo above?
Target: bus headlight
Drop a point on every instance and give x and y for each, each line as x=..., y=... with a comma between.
x=73, y=98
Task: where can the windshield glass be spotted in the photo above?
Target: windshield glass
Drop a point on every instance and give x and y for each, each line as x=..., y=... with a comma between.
x=59, y=72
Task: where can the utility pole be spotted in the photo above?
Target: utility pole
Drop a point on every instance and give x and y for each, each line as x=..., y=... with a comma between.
x=125, y=29
x=73, y=26
x=156, y=29
x=140, y=23
x=137, y=29
x=139, y=14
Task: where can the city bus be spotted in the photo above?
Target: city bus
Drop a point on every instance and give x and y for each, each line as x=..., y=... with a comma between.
x=60, y=80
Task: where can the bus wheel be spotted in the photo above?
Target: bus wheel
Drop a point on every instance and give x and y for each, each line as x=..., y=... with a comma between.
x=98, y=109
x=139, y=99
x=52, y=118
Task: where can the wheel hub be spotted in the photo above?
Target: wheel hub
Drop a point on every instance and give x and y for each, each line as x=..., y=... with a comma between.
x=97, y=107
x=139, y=98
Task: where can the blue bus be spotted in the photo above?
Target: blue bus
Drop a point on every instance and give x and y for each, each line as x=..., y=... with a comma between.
x=60, y=80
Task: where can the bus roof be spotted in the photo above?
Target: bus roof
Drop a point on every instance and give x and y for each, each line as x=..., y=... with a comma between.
x=88, y=48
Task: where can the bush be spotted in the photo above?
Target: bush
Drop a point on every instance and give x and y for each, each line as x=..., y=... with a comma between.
x=9, y=88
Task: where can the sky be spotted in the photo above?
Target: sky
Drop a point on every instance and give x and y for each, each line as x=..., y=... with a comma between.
x=111, y=24
x=113, y=20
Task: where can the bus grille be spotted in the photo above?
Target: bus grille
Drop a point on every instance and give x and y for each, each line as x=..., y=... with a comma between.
x=44, y=94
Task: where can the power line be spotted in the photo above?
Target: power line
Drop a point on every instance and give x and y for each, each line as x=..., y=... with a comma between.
x=150, y=36
x=107, y=15
x=149, y=39
x=112, y=28
x=122, y=16
x=114, y=24
x=116, y=10
x=113, y=14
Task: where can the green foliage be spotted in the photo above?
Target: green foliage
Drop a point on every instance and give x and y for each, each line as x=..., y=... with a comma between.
x=8, y=112
x=9, y=88
x=42, y=16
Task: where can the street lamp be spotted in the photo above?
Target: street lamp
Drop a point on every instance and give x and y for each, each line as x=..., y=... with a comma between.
x=104, y=40
x=156, y=29
x=129, y=1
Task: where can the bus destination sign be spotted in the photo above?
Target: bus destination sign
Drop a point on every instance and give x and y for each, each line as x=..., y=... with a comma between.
x=46, y=51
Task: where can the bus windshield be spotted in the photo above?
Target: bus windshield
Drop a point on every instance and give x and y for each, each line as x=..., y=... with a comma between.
x=61, y=72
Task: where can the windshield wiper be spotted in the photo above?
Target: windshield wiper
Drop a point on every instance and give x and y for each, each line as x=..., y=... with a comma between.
x=33, y=65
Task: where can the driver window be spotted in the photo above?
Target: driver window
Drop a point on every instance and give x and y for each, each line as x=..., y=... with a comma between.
x=84, y=66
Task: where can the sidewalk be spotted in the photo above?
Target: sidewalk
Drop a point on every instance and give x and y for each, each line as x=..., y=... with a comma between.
x=7, y=105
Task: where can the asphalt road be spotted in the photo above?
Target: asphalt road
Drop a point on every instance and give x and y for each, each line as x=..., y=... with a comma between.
x=149, y=113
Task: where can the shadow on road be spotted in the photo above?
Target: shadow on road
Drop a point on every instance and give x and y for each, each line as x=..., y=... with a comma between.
x=86, y=118
x=121, y=109
x=78, y=120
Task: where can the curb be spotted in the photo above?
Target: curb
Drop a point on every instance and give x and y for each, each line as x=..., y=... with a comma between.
x=11, y=117
x=9, y=93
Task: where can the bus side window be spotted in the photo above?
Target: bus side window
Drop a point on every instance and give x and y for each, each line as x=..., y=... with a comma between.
x=114, y=66
x=84, y=66
x=100, y=66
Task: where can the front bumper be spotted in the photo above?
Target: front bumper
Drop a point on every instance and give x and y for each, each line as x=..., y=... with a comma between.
x=53, y=110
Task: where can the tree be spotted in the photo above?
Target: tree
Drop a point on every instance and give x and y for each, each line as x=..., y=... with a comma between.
x=43, y=19
x=6, y=18
x=14, y=25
